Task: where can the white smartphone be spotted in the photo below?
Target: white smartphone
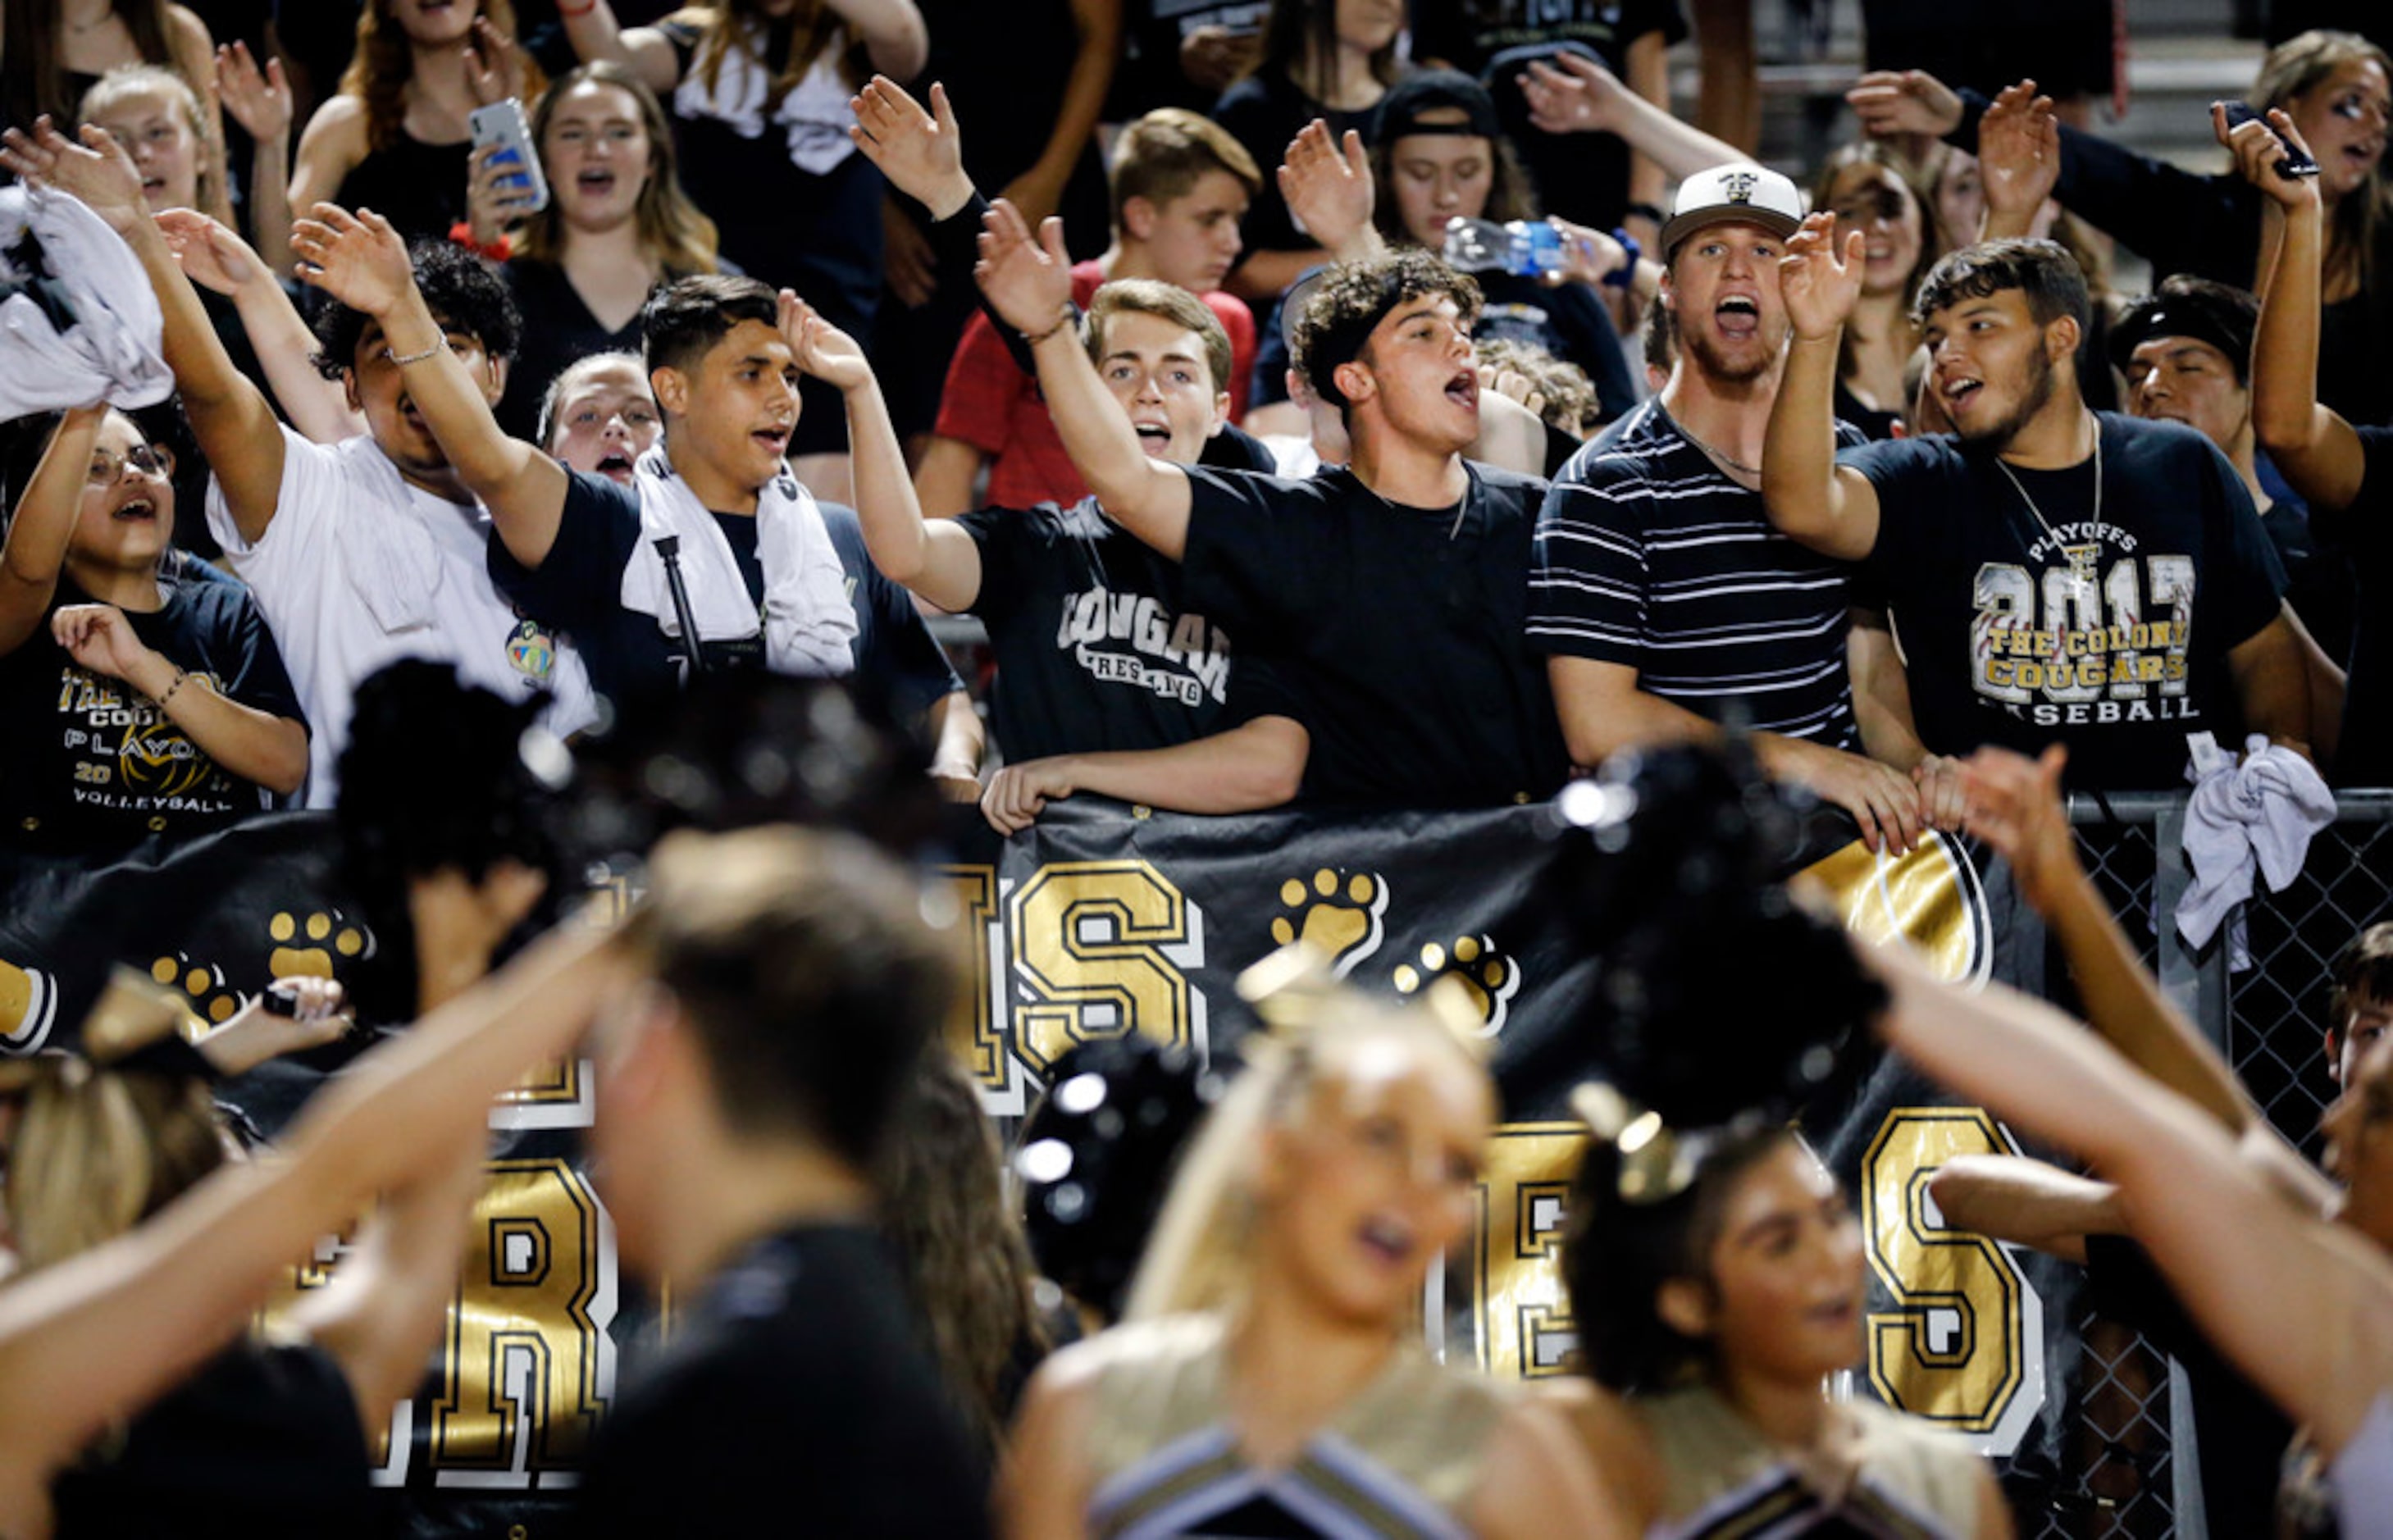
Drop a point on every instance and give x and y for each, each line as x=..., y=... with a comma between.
x=502, y=124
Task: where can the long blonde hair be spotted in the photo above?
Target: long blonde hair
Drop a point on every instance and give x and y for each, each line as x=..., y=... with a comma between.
x=673, y=230
x=157, y=79
x=1201, y=1258
x=2362, y=221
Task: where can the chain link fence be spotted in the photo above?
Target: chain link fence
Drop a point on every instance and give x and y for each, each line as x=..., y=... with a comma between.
x=2259, y=991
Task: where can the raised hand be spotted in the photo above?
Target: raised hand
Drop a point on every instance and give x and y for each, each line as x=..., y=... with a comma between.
x=96, y=172
x=1327, y=185
x=259, y=100
x=1514, y=384
x=496, y=195
x=821, y=350
x=1890, y=102
x=494, y=65
x=1573, y=95
x=357, y=259
x=2015, y=806
x=1213, y=58
x=99, y=638
x=2019, y=155
x=920, y=152
x=211, y=254
x=2257, y=150
x=1029, y=281
x=1588, y=257
x=1820, y=286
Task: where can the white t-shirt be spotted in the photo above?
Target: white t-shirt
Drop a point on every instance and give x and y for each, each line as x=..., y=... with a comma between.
x=358, y=569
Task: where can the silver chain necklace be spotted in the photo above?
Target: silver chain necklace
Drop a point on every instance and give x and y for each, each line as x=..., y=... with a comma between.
x=1719, y=458
x=2017, y=487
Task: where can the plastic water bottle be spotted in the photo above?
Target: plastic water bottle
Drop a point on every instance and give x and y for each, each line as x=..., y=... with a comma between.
x=1528, y=248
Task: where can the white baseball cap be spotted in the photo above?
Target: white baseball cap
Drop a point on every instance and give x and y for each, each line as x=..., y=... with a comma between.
x=1738, y=193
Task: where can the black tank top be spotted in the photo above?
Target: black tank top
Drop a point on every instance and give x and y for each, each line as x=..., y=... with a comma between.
x=419, y=187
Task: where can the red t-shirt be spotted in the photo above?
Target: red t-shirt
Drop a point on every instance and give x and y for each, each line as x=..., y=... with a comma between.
x=993, y=406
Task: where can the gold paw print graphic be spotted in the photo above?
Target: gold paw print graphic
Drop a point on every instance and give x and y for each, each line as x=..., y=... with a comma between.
x=287, y=960
x=211, y=998
x=1339, y=916
x=1489, y=978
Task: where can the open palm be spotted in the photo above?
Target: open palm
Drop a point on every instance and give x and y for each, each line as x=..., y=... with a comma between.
x=98, y=172
x=357, y=259
x=1820, y=286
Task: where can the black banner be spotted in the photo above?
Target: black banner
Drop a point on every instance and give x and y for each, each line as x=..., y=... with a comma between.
x=1103, y=920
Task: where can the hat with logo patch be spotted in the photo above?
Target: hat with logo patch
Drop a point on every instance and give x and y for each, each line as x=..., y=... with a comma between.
x=1734, y=195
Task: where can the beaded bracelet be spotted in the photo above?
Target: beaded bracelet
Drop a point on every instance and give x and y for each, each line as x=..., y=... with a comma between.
x=181, y=678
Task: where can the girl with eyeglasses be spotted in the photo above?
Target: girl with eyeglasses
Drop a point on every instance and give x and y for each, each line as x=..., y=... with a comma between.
x=145, y=695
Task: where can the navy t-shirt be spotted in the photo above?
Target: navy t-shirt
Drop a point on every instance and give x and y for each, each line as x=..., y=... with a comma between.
x=1404, y=629
x=1097, y=647
x=2109, y=636
x=578, y=590
x=2366, y=530
x=96, y=764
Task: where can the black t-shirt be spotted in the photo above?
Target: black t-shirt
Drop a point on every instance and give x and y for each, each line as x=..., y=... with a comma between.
x=1263, y=112
x=263, y=1444
x=2366, y=530
x=1148, y=75
x=795, y=1386
x=1580, y=177
x=578, y=589
x=2242, y=1435
x=2110, y=637
x=1097, y=647
x=557, y=329
x=1404, y=629
x=419, y=187
x=895, y=654
x=96, y=764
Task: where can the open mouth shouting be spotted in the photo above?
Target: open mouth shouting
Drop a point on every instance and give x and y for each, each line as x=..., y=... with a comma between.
x=616, y=465
x=594, y=181
x=1154, y=435
x=135, y=510
x=774, y=439
x=1738, y=317
x=1958, y=392
x=1463, y=390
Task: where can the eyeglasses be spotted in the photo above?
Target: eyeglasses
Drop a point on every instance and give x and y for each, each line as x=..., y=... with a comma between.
x=106, y=466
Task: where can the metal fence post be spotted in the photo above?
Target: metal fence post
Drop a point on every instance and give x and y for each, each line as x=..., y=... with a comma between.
x=2197, y=985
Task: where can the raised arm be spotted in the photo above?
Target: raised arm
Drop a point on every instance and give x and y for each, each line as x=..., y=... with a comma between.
x=595, y=34
x=1810, y=498
x=1256, y=765
x=360, y=261
x=1030, y=282
x=96, y=1338
x=1327, y=186
x=2273, y=683
x=892, y=33
x=2019, y=157
x=2302, y=1305
x=260, y=101
x=42, y=524
x=938, y=561
x=1575, y=94
x=229, y=416
x=213, y=257
x=2311, y=443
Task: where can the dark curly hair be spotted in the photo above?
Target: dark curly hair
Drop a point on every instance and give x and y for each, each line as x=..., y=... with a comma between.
x=1349, y=303
x=463, y=292
x=1616, y=1256
x=2043, y=271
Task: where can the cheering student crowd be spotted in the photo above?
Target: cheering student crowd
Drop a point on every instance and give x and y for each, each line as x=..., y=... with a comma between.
x=1404, y=410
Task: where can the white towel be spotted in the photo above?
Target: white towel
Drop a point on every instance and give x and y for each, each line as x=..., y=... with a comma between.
x=2259, y=814
x=112, y=350
x=809, y=624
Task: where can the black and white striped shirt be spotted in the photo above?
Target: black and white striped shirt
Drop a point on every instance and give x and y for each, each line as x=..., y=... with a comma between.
x=1649, y=556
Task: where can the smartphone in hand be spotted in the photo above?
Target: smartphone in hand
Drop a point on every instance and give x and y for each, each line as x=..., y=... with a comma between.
x=2296, y=162
x=502, y=124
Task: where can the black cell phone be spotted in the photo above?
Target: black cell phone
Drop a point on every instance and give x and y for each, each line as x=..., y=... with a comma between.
x=279, y=1001
x=2296, y=162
